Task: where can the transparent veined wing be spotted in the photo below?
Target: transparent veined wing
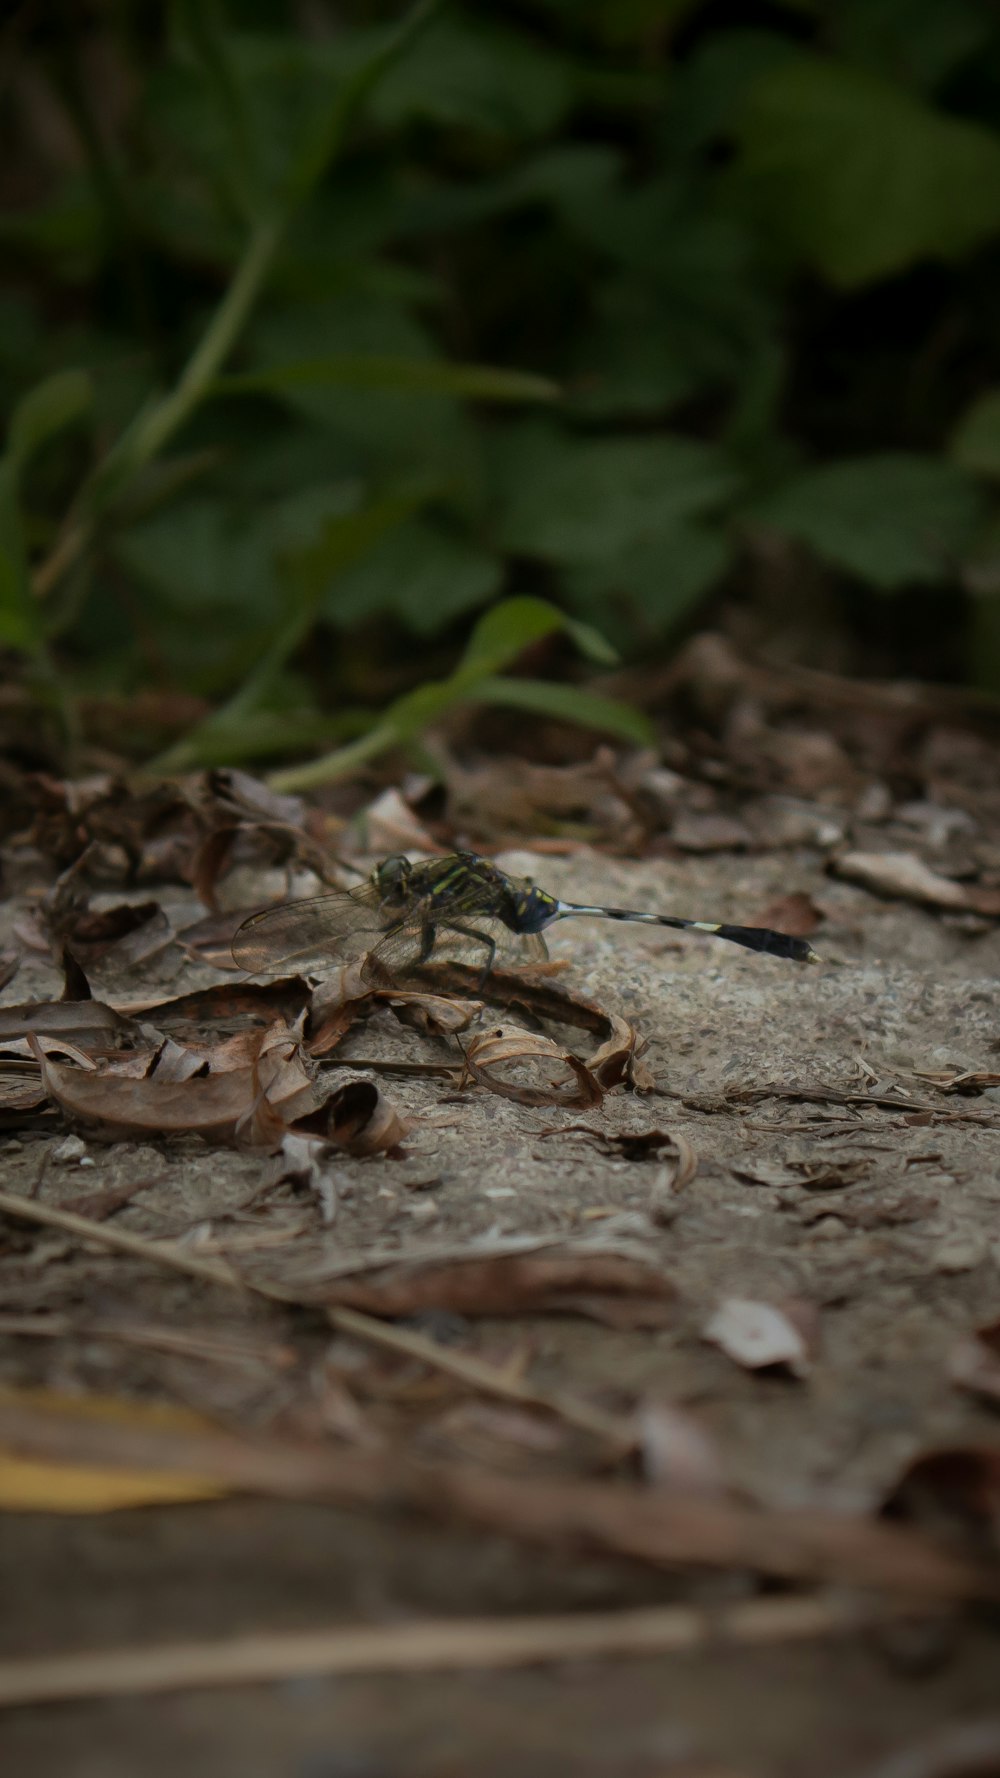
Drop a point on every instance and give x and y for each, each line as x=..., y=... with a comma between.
x=437, y=935
x=310, y=934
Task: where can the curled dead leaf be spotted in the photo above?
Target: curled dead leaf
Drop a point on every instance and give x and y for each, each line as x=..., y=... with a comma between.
x=359, y=1119
x=616, y=1061
x=490, y=1056
x=338, y=1004
x=434, y=1014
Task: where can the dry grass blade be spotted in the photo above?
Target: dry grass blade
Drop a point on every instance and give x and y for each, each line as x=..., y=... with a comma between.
x=661, y=1529
x=33, y=1482
x=437, y=1645
x=489, y=1055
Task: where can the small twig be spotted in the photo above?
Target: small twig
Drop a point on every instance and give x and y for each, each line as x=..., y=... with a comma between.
x=436, y=1645
x=485, y=1377
x=163, y=1253
x=820, y=1095
x=210, y=1344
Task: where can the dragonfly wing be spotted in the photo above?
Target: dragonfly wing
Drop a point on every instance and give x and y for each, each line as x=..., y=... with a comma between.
x=309, y=934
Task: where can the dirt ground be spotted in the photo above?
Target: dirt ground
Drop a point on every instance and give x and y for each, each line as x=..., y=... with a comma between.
x=835, y=1175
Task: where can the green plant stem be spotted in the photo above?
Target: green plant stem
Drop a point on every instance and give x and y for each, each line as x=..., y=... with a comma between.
x=150, y=432
x=151, y=429
x=337, y=764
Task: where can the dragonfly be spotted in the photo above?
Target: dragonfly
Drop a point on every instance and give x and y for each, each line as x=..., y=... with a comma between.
x=461, y=907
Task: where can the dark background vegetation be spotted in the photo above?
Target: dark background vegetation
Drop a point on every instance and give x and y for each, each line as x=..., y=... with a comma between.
x=325, y=330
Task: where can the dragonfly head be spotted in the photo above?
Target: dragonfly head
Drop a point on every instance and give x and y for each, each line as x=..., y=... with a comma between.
x=392, y=876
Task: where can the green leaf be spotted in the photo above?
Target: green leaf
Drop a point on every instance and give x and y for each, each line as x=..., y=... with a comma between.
x=476, y=75
x=425, y=575
x=916, y=42
x=975, y=442
x=658, y=580
x=569, y=703
x=576, y=500
x=499, y=637
x=858, y=177
x=891, y=519
x=44, y=411
x=434, y=376
x=513, y=625
x=375, y=432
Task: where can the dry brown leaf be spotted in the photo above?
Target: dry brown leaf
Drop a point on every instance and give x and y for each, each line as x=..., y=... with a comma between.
x=616, y=1061
x=359, y=1118
x=284, y=998
x=87, y=1022
x=62, y=1485
x=823, y=1175
x=904, y=874
x=636, y=1145
x=113, y=1107
x=434, y=1014
x=608, y=1287
x=488, y=1056
x=111, y=1104
x=758, y=1336
x=129, y=933
x=21, y=1092
x=337, y=1004
x=661, y=1528
x=389, y=825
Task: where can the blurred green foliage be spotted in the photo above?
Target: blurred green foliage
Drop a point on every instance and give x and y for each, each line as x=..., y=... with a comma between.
x=324, y=330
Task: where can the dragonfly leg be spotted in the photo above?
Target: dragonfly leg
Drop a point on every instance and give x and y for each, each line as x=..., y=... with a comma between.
x=428, y=939
x=479, y=938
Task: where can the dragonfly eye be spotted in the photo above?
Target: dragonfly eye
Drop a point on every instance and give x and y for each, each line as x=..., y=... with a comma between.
x=392, y=874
